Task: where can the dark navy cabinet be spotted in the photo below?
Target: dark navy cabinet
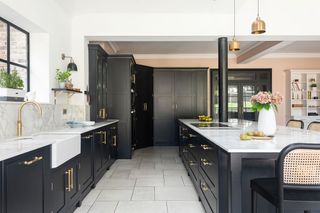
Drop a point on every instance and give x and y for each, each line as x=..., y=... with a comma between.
x=25, y=182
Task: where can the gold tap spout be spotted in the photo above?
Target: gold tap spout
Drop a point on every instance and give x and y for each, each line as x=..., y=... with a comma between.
x=19, y=122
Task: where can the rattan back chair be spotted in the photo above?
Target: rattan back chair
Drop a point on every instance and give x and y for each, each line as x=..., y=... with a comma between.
x=314, y=126
x=295, y=124
x=297, y=182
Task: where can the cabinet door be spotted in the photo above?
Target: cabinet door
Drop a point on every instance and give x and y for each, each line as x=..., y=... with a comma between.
x=164, y=125
x=86, y=161
x=144, y=106
x=25, y=183
x=105, y=146
x=59, y=183
x=113, y=141
x=73, y=183
x=98, y=139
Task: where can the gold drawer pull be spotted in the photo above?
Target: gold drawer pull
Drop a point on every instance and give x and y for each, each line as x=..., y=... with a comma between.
x=87, y=137
x=184, y=151
x=104, y=135
x=206, y=163
x=35, y=159
x=191, y=163
x=114, y=140
x=192, y=136
x=204, y=187
x=191, y=146
x=71, y=178
x=68, y=188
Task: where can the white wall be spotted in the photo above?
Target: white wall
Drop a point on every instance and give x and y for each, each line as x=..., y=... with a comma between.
x=49, y=28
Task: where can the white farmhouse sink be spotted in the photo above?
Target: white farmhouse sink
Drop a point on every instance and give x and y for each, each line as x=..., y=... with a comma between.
x=64, y=147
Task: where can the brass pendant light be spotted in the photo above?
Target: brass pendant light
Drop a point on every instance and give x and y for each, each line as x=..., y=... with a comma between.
x=234, y=45
x=258, y=26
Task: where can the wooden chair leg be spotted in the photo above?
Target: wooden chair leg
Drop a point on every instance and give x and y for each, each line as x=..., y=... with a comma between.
x=253, y=201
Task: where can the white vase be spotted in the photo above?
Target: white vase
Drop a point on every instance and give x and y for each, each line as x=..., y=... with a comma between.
x=62, y=85
x=267, y=122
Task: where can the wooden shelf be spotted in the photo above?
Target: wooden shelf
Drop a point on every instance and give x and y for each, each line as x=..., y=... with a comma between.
x=58, y=91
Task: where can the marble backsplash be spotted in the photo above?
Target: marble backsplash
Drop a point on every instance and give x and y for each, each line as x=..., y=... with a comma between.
x=52, y=118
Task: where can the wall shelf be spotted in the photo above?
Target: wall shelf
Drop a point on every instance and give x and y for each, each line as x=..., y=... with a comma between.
x=69, y=92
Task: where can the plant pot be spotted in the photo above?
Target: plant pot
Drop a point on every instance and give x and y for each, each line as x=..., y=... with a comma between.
x=62, y=85
x=7, y=94
x=267, y=122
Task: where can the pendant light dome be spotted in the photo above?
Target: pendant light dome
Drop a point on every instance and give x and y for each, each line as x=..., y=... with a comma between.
x=234, y=45
x=258, y=26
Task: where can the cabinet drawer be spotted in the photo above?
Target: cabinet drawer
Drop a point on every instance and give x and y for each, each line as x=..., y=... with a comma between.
x=209, y=152
x=208, y=197
x=194, y=168
x=211, y=178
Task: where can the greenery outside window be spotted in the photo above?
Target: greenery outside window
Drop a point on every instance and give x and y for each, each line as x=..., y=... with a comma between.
x=14, y=51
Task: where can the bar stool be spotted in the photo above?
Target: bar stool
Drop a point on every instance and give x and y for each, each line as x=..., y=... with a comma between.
x=314, y=126
x=295, y=124
x=297, y=182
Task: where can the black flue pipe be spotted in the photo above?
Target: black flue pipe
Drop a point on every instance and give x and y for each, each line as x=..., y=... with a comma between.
x=223, y=78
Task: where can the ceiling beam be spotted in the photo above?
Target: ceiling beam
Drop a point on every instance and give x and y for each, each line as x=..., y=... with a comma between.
x=261, y=49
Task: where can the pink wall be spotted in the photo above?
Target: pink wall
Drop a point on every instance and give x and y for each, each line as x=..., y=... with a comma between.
x=279, y=66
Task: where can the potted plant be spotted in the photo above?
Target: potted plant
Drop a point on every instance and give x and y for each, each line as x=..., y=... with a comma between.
x=266, y=103
x=62, y=76
x=11, y=86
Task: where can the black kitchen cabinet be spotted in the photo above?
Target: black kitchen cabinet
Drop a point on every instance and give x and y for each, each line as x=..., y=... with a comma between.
x=242, y=84
x=65, y=186
x=121, y=99
x=25, y=182
x=113, y=143
x=97, y=83
x=86, y=175
x=100, y=141
x=201, y=159
x=144, y=107
x=178, y=93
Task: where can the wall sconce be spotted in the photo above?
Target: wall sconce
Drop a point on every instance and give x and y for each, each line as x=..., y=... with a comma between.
x=71, y=66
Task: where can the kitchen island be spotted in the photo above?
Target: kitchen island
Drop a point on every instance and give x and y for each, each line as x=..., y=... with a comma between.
x=221, y=165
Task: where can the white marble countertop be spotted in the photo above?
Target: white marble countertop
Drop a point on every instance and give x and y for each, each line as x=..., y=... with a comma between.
x=229, y=140
x=13, y=147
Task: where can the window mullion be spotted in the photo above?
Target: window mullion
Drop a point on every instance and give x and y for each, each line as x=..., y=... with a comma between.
x=8, y=48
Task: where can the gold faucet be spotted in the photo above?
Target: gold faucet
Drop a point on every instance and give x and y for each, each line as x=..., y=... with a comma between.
x=19, y=122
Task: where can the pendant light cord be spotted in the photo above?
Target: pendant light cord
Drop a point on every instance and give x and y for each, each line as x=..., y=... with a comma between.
x=258, y=8
x=234, y=18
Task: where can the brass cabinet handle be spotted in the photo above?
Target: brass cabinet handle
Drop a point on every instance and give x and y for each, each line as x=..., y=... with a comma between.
x=103, y=113
x=205, y=147
x=68, y=188
x=192, y=136
x=184, y=150
x=71, y=178
x=191, y=146
x=206, y=163
x=100, y=113
x=191, y=163
x=87, y=137
x=104, y=135
x=35, y=159
x=204, y=187
x=145, y=106
x=114, y=140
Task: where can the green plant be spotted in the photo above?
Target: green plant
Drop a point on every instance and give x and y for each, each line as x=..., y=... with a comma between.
x=10, y=80
x=63, y=75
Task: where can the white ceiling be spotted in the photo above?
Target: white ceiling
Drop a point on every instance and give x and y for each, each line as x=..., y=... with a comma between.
x=76, y=7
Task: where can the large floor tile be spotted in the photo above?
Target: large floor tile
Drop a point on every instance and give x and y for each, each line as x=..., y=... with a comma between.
x=114, y=195
x=145, y=173
x=173, y=181
x=143, y=193
x=114, y=183
x=103, y=207
x=141, y=207
x=187, y=180
x=121, y=173
x=185, y=207
x=175, y=172
x=82, y=209
x=150, y=181
x=184, y=193
x=91, y=197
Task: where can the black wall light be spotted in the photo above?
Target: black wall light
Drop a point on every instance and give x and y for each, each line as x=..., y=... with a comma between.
x=71, y=66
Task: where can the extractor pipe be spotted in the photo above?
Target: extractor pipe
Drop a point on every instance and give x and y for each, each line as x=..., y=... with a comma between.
x=223, y=79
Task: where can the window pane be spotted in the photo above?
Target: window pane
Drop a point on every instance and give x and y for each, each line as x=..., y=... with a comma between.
x=3, y=66
x=22, y=72
x=18, y=46
x=3, y=40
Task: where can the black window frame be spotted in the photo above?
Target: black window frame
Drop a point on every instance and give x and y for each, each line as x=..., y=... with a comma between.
x=8, y=62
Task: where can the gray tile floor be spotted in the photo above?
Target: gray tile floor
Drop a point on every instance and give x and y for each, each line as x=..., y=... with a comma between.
x=153, y=181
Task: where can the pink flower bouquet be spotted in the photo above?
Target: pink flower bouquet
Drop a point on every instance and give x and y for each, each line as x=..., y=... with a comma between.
x=265, y=100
